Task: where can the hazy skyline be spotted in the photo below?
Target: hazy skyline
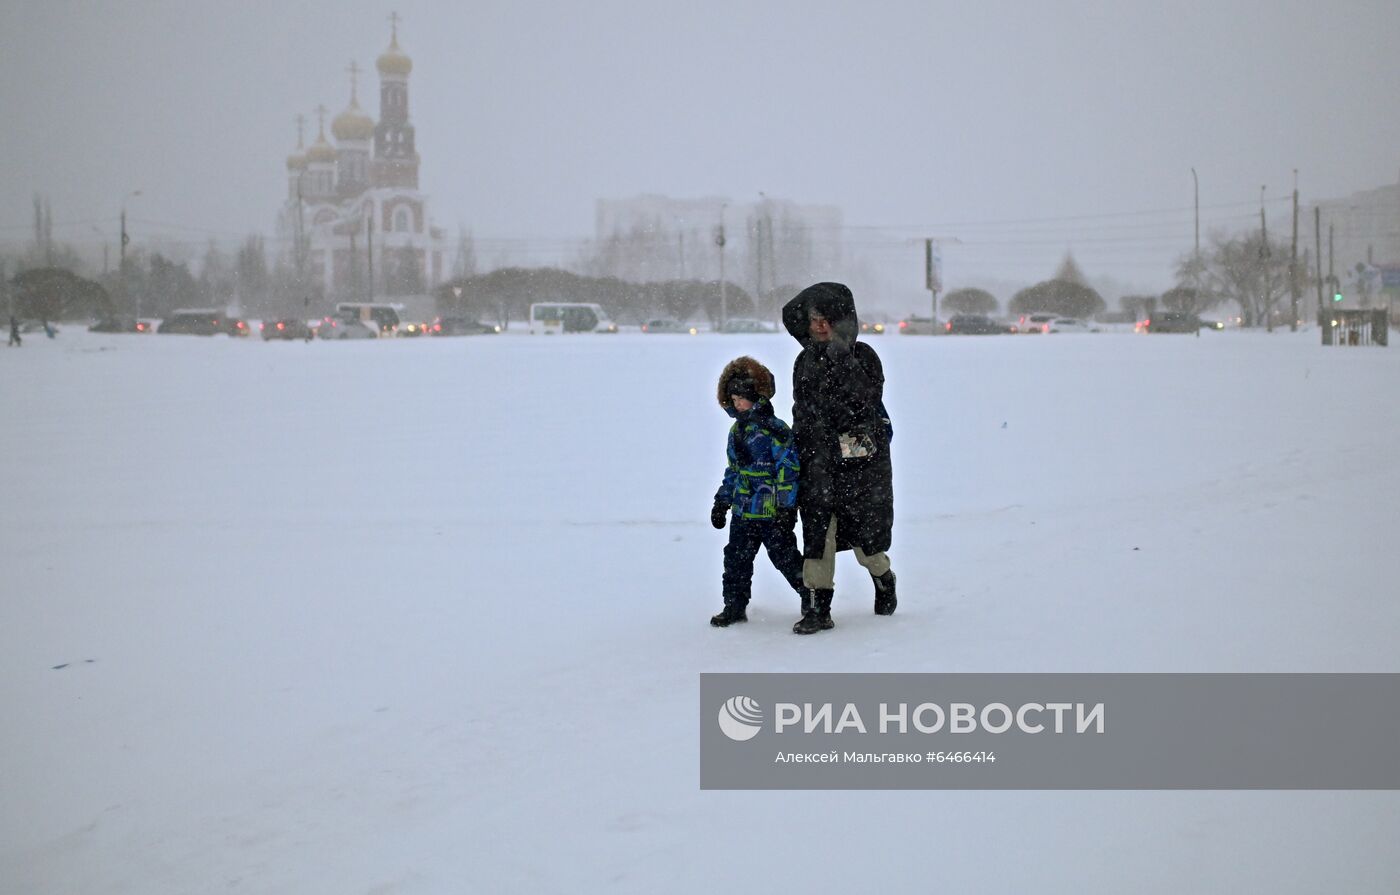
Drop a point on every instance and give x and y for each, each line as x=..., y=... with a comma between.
x=1021, y=130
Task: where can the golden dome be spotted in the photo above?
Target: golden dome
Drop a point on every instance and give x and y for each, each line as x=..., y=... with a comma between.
x=352, y=124
x=296, y=161
x=320, y=151
x=393, y=61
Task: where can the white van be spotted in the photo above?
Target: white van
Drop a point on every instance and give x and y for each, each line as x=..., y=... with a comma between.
x=383, y=317
x=548, y=317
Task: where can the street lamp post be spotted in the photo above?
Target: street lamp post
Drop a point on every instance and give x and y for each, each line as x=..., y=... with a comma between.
x=763, y=248
x=1196, y=190
x=124, y=240
x=105, y=248
x=369, y=249
x=723, y=293
x=1196, y=267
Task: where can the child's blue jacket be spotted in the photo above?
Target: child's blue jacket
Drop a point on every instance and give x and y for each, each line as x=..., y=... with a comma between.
x=762, y=474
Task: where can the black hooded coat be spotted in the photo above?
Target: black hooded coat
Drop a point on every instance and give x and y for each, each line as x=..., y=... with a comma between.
x=838, y=389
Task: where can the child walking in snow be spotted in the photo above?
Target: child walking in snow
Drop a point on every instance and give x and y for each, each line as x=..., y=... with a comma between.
x=759, y=491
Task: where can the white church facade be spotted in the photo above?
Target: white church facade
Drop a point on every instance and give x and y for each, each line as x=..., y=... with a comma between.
x=355, y=223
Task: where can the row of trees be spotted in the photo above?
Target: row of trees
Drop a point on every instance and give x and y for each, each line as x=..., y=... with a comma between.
x=1067, y=293
x=501, y=295
x=153, y=285
x=1253, y=273
x=1246, y=269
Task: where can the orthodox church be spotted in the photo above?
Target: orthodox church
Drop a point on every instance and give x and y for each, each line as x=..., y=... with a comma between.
x=354, y=221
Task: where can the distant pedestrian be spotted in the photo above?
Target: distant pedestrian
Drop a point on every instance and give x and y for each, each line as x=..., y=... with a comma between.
x=48, y=329
x=15, y=340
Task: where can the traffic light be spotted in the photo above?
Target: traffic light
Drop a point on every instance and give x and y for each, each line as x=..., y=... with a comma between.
x=1336, y=297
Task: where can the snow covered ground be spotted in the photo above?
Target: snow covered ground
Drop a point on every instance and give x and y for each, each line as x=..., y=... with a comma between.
x=428, y=616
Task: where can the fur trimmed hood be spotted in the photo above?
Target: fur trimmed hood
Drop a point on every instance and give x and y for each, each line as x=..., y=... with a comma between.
x=761, y=375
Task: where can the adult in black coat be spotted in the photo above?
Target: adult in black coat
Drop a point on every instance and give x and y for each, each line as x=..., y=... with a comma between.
x=846, y=487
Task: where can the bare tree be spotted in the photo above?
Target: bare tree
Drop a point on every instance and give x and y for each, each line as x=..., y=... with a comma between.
x=1250, y=272
x=251, y=277
x=217, y=278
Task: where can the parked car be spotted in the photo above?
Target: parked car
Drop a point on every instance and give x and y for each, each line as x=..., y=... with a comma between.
x=346, y=327
x=287, y=329
x=238, y=328
x=918, y=326
x=1037, y=322
x=462, y=326
x=120, y=325
x=194, y=322
x=1172, y=322
x=1070, y=325
x=748, y=325
x=666, y=325
x=973, y=325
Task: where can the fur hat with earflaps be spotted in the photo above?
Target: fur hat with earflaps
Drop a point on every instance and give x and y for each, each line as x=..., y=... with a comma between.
x=747, y=378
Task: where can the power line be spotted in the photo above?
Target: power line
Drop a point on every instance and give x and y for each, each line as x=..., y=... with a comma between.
x=30, y=226
x=1080, y=217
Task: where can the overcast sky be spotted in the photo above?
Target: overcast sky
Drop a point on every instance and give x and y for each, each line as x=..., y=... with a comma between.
x=959, y=120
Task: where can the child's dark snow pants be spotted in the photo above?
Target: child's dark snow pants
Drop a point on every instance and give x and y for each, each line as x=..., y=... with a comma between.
x=745, y=537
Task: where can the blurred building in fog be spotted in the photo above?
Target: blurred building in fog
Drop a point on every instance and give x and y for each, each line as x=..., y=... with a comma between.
x=1364, y=229
x=354, y=209
x=768, y=243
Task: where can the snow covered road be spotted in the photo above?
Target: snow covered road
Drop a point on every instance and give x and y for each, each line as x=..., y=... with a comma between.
x=428, y=615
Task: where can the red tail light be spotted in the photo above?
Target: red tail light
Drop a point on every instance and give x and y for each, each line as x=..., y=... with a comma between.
x=437, y=327
x=903, y=324
x=948, y=326
x=281, y=326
